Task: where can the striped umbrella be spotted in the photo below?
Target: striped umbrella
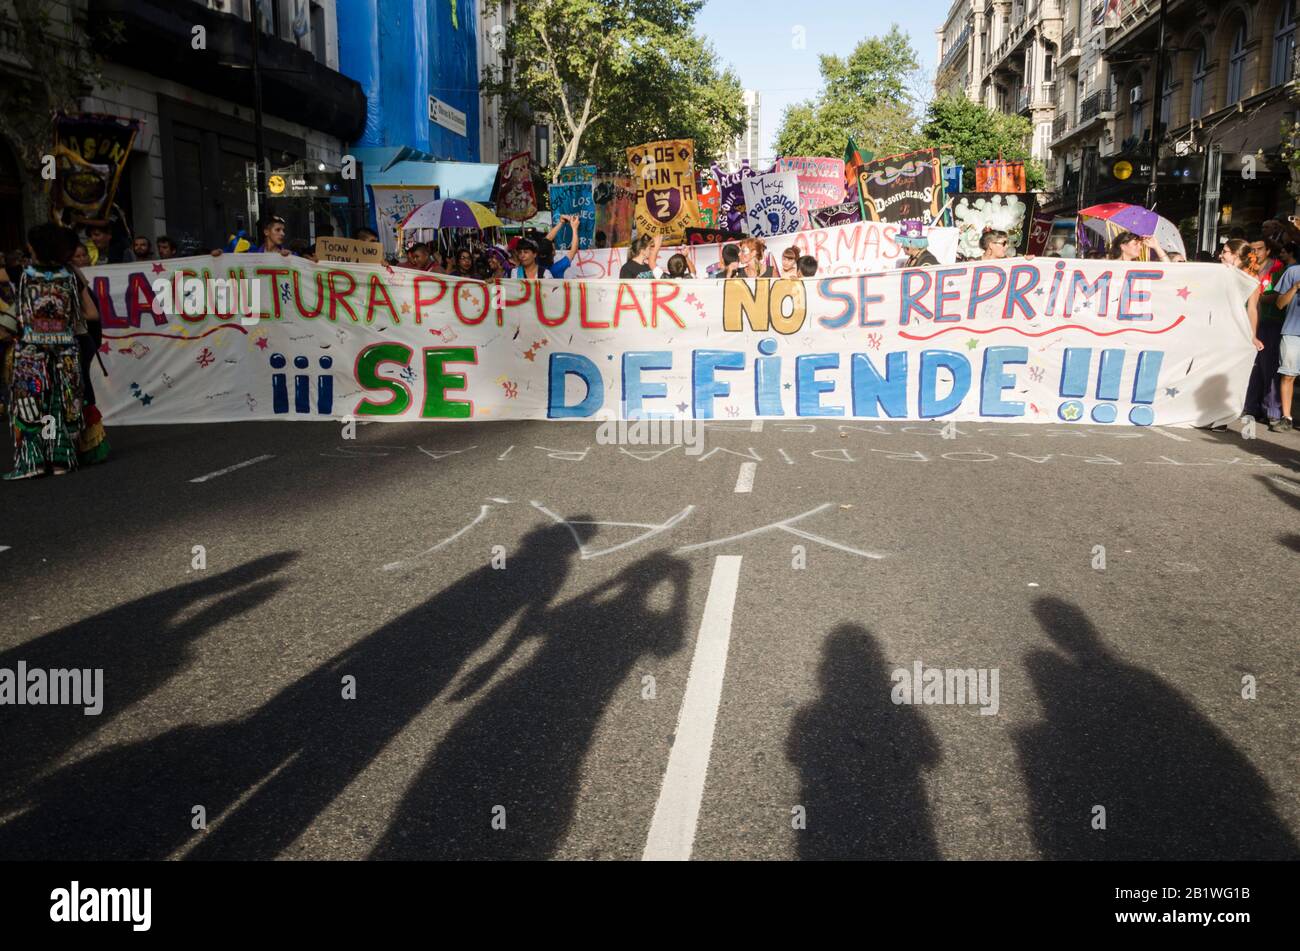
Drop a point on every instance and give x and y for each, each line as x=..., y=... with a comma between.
x=450, y=213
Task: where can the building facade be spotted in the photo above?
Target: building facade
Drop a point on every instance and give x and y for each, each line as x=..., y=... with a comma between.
x=499, y=136
x=1004, y=54
x=1084, y=71
x=183, y=68
x=748, y=146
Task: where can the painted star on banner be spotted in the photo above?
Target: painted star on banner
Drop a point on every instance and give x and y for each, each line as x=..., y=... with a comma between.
x=406, y=307
x=1183, y=292
x=972, y=344
x=158, y=269
x=261, y=343
x=1171, y=391
x=530, y=355
x=682, y=407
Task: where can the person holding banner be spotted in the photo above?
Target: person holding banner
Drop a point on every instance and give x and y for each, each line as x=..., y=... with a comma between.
x=752, y=252
x=679, y=269
x=546, y=249
x=994, y=244
x=530, y=269
x=644, y=251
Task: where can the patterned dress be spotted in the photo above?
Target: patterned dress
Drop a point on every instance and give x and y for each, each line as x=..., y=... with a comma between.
x=45, y=396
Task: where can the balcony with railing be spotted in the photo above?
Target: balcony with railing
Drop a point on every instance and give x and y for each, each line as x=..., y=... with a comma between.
x=955, y=51
x=1098, y=105
x=1060, y=125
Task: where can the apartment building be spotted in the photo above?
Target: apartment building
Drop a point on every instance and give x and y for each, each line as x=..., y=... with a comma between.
x=748, y=146
x=1005, y=54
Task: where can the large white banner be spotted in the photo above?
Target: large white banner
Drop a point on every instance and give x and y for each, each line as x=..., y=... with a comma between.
x=1046, y=340
x=858, y=248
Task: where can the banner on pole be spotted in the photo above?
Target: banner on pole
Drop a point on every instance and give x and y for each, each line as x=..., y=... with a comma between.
x=833, y=216
x=821, y=182
x=903, y=187
x=772, y=204
x=263, y=337
x=392, y=205
x=90, y=152
x=732, y=202
x=710, y=200
x=664, y=176
x=574, y=174
x=615, y=198
x=513, y=192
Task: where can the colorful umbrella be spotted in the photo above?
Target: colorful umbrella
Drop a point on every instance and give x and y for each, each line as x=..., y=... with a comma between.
x=1110, y=219
x=450, y=213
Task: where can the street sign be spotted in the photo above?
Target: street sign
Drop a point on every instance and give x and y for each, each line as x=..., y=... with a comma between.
x=447, y=117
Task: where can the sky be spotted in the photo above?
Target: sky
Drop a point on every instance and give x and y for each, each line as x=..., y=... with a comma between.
x=757, y=38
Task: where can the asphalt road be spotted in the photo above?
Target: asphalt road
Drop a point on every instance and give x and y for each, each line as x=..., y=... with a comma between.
x=582, y=651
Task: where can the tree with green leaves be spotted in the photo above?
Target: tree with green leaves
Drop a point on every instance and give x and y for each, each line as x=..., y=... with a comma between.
x=865, y=95
x=969, y=132
x=613, y=73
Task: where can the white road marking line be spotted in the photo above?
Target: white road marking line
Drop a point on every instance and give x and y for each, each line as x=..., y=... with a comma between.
x=786, y=525
x=786, y=456
x=586, y=554
x=756, y=426
x=482, y=514
x=229, y=469
x=1157, y=429
x=504, y=454
x=745, y=481
x=677, y=813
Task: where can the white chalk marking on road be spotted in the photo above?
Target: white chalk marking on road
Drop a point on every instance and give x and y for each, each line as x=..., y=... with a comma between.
x=229, y=469
x=504, y=454
x=587, y=554
x=756, y=426
x=677, y=813
x=4, y=547
x=786, y=525
x=745, y=481
x=1157, y=429
x=482, y=514
x=786, y=456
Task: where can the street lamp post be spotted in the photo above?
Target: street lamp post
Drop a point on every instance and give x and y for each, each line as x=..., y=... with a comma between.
x=259, y=142
x=1157, y=124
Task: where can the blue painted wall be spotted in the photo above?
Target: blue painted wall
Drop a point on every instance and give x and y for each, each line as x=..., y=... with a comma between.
x=402, y=52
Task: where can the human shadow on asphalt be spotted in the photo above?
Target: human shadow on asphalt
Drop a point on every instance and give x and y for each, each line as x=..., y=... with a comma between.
x=140, y=646
x=517, y=755
x=862, y=759
x=1291, y=495
x=1113, y=735
x=292, y=756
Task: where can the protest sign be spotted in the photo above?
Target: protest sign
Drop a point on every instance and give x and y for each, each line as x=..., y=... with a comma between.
x=731, y=204
x=860, y=248
x=513, y=191
x=1106, y=343
x=974, y=213
x=772, y=204
x=832, y=216
x=1000, y=176
x=349, y=250
x=710, y=199
x=821, y=182
x=615, y=199
x=663, y=174
x=1039, y=233
x=393, y=204
x=576, y=199
x=903, y=187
